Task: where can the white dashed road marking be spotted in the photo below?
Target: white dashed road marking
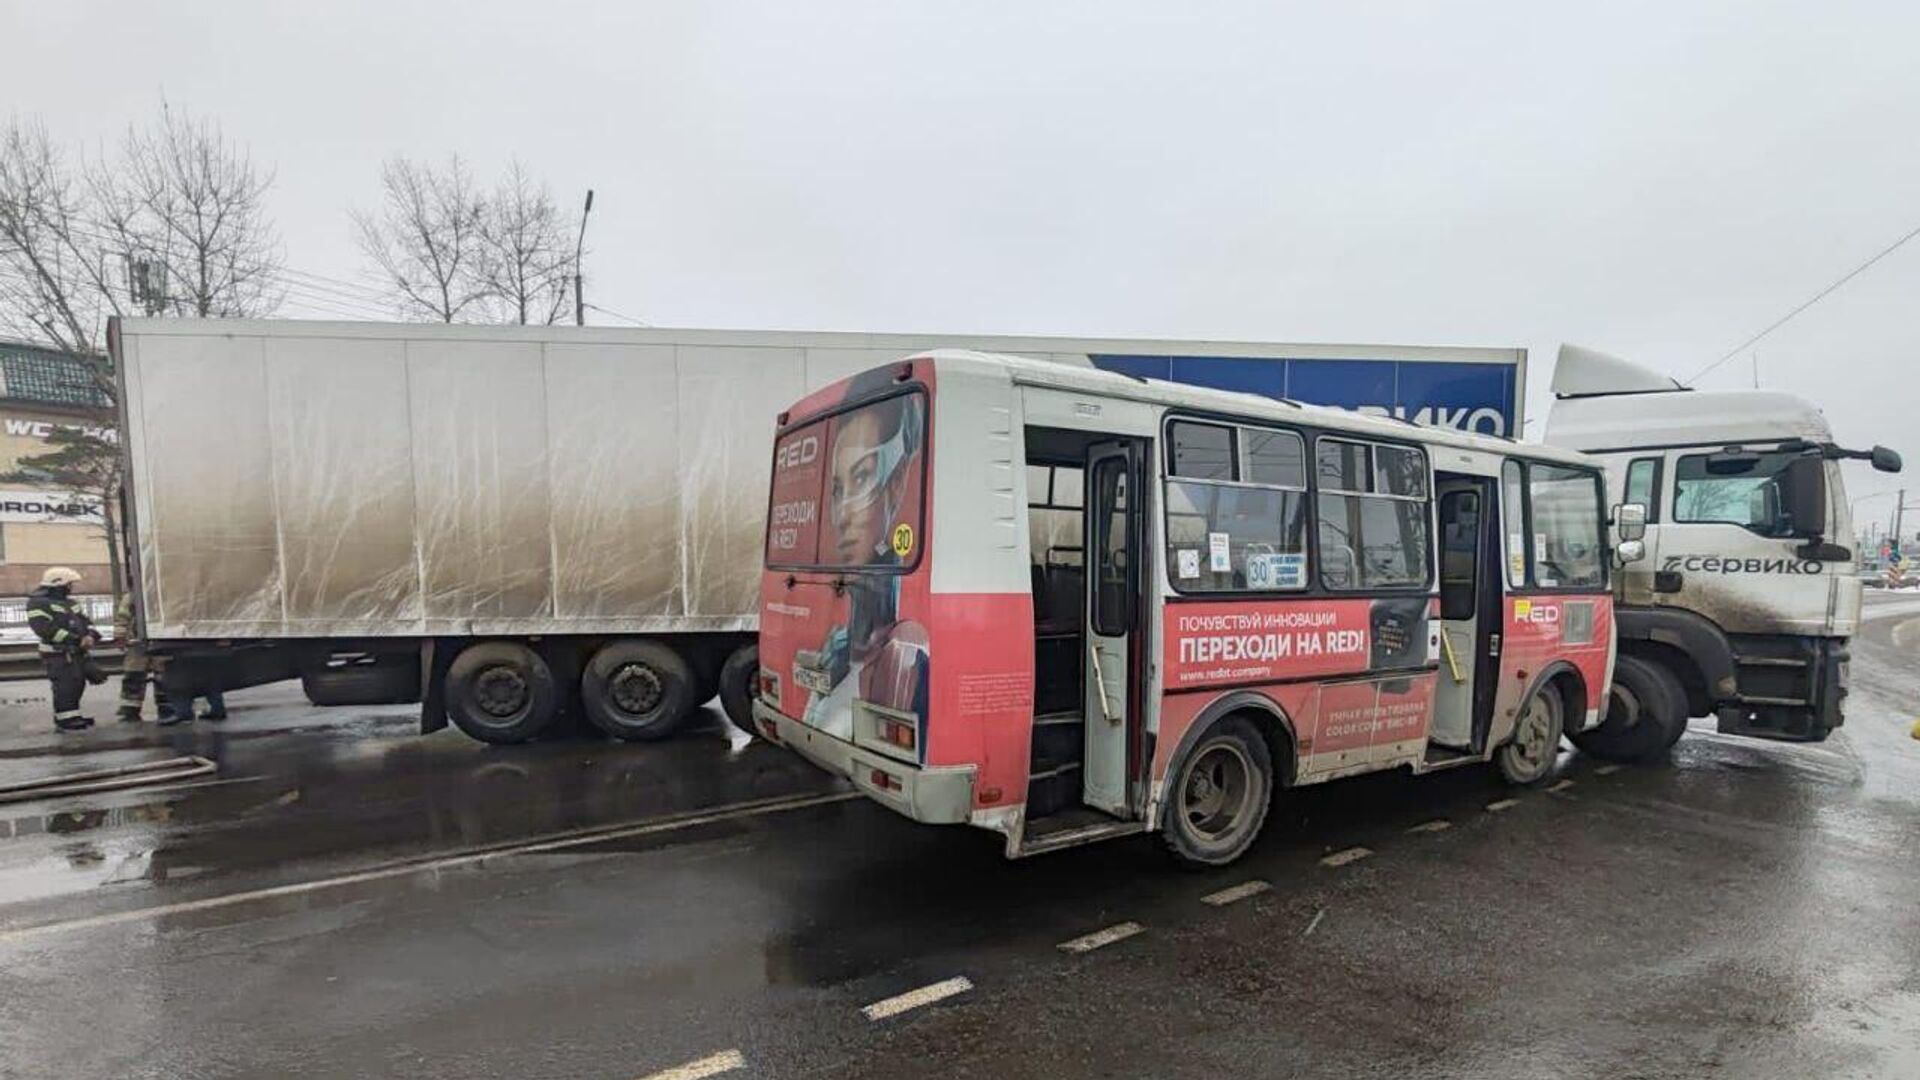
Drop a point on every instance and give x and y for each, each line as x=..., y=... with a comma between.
x=723, y=1062
x=1606, y=770
x=1342, y=858
x=1099, y=938
x=1502, y=804
x=1436, y=825
x=1236, y=893
x=1317, y=916
x=913, y=999
x=1561, y=786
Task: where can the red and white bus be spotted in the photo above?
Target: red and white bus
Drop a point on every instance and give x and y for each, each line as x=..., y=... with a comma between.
x=1066, y=604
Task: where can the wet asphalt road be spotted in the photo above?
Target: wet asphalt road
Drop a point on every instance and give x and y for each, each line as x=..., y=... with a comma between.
x=347, y=899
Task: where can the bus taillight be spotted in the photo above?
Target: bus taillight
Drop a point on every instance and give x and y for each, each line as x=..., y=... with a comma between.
x=884, y=780
x=898, y=733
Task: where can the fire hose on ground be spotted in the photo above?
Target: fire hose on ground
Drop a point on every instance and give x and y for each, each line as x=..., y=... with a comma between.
x=125, y=776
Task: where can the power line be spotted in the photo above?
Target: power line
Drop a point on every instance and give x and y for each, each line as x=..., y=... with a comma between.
x=1821, y=295
x=617, y=315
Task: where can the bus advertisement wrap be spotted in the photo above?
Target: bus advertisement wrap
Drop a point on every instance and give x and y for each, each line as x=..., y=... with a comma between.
x=1227, y=642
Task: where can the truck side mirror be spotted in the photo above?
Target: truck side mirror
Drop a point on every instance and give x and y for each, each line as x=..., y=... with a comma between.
x=1884, y=459
x=1630, y=551
x=1806, y=496
x=1630, y=520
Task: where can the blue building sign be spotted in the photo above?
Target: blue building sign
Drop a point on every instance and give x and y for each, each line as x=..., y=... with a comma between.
x=1467, y=396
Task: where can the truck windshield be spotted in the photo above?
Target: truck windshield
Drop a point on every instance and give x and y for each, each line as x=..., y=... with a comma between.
x=1742, y=491
x=847, y=489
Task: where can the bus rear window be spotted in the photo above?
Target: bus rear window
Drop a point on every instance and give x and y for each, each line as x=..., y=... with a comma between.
x=793, y=514
x=847, y=490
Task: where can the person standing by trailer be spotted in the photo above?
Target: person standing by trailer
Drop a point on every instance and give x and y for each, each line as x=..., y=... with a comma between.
x=66, y=638
x=138, y=670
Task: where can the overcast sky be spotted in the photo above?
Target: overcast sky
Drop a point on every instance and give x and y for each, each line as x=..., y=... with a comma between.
x=1658, y=180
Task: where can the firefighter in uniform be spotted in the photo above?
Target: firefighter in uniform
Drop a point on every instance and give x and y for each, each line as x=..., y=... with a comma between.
x=138, y=670
x=65, y=639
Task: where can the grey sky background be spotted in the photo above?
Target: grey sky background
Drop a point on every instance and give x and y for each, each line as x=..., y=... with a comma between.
x=1657, y=180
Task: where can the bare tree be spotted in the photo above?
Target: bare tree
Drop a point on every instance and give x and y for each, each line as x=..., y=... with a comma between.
x=427, y=239
x=57, y=275
x=189, y=208
x=525, y=263
x=175, y=224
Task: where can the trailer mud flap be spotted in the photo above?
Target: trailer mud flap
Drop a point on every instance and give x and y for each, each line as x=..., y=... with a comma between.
x=434, y=661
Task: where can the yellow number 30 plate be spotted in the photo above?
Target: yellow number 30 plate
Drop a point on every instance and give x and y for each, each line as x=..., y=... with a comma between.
x=902, y=539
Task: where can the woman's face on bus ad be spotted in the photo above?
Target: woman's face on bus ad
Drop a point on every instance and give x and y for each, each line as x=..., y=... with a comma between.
x=865, y=489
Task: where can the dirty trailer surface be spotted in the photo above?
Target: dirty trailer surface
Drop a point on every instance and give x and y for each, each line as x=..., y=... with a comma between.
x=353, y=900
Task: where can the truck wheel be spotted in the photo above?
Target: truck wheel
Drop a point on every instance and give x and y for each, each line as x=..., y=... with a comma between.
x=1219, y=795
x=1528, y=757
x=1646, y=713
x=739, y=677
x=363, y=684
x=638, y=689
x=501, y=692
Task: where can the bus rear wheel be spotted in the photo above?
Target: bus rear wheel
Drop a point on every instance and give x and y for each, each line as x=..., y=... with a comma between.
x=1219, y=796
x=501, y=692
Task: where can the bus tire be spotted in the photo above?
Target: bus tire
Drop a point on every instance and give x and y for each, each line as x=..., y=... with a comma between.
x=1219, y=796
x=501, y=692
x=1527, y=758
x=739, y=679
x=1646, y=714
x=638, y=690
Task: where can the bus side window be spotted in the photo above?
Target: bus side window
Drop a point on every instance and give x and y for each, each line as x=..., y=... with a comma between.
x=1513, y=510
x=1112, y=612
x=1643, y=486
x=1459, y=553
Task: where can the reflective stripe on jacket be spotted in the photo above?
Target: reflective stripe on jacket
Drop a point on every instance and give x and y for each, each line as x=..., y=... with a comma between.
x=58, y=624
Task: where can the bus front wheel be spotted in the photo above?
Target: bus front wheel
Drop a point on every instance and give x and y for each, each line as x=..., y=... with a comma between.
x=1219, y=796
x=1529, y=756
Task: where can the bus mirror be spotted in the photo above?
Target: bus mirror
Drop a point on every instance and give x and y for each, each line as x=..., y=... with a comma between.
x=1806, y=496
x=1631, y=551
x=1631, y=520
x=1884, y=459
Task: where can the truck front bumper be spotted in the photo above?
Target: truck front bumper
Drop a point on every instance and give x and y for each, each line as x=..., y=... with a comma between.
x=941, y=795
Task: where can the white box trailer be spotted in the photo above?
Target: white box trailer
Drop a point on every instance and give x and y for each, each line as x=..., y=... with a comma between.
x=511, y=521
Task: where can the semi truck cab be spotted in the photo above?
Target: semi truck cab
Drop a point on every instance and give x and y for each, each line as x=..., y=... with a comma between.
x=1746, y=596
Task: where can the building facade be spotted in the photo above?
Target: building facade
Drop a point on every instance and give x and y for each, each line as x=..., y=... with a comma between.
x=42, y=391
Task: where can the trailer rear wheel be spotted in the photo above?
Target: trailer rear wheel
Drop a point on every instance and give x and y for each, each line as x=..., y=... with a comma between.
x=739, y=677
x=638, y=689
x=501, y=692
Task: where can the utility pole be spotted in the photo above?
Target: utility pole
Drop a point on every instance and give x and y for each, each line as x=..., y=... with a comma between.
x=580, y=298
x=1899, y=504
